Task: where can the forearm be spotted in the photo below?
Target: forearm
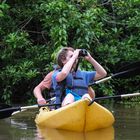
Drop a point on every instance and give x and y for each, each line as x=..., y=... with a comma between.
x=66, y=69
x=68, y=66
x=100, y=71
x=38, y=93
x=91, y=92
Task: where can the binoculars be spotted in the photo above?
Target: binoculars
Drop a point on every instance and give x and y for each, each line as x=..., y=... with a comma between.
x=83, y=53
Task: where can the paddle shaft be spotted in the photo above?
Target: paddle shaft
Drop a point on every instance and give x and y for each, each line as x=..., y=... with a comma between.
x=98, y=98
x=100, y=81
x=31, y=107
x=118, y=75
x=115, y=96
x=37, y=105
x=7, y=112
x=13, y=109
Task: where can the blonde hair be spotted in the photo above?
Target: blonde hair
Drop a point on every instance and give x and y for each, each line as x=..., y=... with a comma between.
x=62, y=55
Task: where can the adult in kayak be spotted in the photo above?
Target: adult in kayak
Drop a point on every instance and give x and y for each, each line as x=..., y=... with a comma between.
x=46, y=83
x=75, y=82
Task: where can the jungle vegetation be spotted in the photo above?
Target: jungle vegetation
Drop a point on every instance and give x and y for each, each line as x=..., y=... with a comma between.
x=32, y=32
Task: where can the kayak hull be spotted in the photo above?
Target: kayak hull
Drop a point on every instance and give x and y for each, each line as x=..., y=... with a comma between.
x=77, y=116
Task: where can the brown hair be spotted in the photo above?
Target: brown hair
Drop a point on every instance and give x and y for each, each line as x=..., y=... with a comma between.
x=62, y=55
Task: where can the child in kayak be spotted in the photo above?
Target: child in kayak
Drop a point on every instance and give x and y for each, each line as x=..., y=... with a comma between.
x=76, y=82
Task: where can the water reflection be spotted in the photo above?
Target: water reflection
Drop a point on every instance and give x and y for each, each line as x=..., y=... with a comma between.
x=11, y=132
x=53, y=134
x=19, y=127
x=127, y=123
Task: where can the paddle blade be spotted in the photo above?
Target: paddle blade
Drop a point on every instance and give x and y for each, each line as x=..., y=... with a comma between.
x=127, y=73
x=129, y=66
x=7, y=112
x=128, y=70
x=3, y=106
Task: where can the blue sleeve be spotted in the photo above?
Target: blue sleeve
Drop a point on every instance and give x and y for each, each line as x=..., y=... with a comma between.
x=89, y=76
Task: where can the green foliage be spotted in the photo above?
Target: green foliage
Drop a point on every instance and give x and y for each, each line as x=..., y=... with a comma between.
x=32, y=32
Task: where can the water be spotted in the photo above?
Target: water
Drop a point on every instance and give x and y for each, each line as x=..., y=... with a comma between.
x=127, y=123
x=22, y=127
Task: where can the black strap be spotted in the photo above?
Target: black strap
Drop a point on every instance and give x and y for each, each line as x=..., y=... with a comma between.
x=77, y=64
x=63, y=90
x=78, y=87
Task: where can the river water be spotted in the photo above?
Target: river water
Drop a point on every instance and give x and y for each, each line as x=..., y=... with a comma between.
x=21, y=126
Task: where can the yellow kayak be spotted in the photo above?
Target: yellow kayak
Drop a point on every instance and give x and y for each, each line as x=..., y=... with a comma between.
x=77, y=116
x=53, y=134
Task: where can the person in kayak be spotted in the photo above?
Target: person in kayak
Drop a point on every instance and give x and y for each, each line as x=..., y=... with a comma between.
x=46, y=83
x=76, y=82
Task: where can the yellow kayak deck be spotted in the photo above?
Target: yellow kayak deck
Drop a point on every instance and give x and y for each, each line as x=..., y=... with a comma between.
x=77, y=116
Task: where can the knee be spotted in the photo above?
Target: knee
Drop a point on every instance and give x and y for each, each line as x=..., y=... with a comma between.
x=86, y=96
x=68, y=100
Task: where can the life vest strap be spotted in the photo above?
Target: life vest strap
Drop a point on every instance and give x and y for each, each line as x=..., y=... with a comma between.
x=77, y=87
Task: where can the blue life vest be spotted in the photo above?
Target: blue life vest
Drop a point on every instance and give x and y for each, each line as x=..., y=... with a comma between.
x=60, y=92
x=76, y=82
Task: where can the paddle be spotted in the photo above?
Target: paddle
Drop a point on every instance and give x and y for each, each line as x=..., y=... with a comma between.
x=7, y=110
x=130, y=72
x=115, y=96
x=2, y=106
x=125, y=72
